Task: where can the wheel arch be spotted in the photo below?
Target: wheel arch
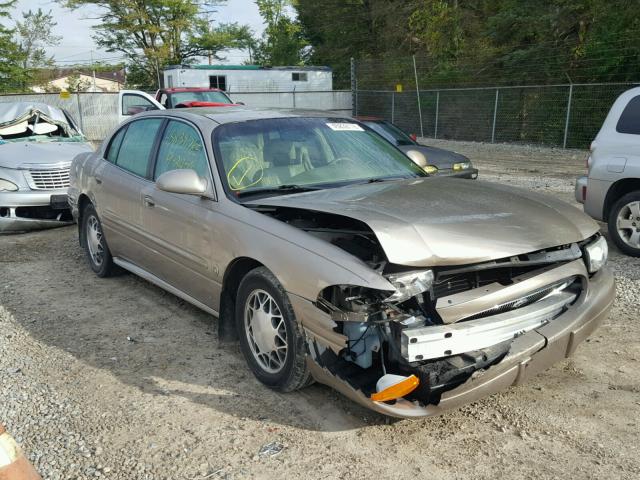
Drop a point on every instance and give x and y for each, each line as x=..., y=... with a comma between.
x=233, y=275
x=617, y=191
x=83, y=201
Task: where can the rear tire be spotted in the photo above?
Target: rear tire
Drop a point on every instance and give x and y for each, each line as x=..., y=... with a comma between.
x=95, y=244
x=270, y=337
x=624, y=224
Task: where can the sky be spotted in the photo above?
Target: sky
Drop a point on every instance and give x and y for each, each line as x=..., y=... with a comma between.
x=75, y=28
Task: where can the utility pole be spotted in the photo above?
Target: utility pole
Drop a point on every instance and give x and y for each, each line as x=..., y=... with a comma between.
x=415, y=73
x=93, y=71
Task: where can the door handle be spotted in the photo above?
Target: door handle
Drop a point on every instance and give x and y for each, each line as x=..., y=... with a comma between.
x=148, y=201
x=98, y=180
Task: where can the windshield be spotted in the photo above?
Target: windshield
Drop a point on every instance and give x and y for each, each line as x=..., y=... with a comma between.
x=305, y=152
x=391, y=133
x=214, y=97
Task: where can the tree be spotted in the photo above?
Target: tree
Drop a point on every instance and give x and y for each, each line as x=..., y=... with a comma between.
x=75, y=83
x=474, y=41
x=282, y=42
x=340, y=29
x=208, y=41
x=154, y=33
x=35, y=32
x=12, y=74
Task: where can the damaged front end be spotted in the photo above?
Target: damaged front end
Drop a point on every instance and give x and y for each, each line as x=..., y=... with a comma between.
x=37, y=145
x=444, y=328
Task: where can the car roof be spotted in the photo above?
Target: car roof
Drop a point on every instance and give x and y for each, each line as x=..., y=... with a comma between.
x=243, y=113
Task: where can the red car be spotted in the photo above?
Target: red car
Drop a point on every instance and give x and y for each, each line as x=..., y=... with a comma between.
x=135, y=101
x=192, y=97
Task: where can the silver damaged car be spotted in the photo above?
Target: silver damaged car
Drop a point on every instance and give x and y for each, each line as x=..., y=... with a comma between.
x=332, y=257
x=37, y=144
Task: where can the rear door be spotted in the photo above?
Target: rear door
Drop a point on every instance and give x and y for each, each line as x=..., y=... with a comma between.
x=120, y=182
x=179, y=226
x=131, y=102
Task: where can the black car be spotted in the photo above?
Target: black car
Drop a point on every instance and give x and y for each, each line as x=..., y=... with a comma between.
x=439, y=161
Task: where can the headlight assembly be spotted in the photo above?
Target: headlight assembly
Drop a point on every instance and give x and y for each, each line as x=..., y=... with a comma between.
x=430, y=169
x=409, y=284
x=7, y=186
x=462, y=166
x=596, y=254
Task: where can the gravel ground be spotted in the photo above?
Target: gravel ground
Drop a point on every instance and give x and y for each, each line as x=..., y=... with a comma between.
x=117, y=379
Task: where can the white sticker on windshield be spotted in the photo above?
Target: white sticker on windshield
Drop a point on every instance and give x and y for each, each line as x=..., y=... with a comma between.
x=345, y=127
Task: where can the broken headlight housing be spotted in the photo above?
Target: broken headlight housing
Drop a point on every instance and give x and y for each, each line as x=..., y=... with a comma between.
x=409, y=284
x=596, y=254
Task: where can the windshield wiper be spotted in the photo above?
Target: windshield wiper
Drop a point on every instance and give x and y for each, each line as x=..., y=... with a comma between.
x=385, y=179
x=279, y=189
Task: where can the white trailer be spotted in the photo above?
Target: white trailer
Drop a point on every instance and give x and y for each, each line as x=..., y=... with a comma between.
x=250, y=78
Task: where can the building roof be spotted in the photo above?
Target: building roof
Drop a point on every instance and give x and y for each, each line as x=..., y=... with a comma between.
x=113, y=75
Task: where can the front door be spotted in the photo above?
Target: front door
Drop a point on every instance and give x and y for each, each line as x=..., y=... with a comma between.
x=131, y=102
x=179, y=225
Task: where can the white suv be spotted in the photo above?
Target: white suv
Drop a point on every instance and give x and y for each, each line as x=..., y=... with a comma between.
x=611, y=191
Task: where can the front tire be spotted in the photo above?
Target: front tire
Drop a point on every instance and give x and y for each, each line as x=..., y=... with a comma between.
x=270, y=337
x=624, y=224
x=95, y=245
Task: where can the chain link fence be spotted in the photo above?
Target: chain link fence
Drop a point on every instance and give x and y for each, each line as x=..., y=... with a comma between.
x=567, y=115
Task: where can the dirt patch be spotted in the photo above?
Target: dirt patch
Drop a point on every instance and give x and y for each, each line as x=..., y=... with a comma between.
x=118, y=379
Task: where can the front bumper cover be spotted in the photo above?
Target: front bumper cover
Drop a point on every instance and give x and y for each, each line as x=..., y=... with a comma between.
x=12, y=222
x=529, y=354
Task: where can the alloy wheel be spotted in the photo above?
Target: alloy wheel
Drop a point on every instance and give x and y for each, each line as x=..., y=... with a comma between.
x=628, y=224
x=95, y=241
x=265, y=330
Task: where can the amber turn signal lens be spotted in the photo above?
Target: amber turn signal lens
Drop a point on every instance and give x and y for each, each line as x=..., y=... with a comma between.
x=397, y=390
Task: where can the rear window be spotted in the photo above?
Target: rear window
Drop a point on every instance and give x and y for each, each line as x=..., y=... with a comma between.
x=114, y=146
x=629, y=121
x=135, y=150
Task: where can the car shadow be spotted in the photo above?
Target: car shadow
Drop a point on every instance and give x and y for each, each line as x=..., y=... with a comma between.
x=149, y=338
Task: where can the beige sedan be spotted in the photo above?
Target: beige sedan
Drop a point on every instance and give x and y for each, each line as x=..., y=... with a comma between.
x=331, y=256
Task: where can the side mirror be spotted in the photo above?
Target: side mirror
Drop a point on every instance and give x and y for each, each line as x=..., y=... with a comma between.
x=413, y=137
x=239, y=103
x=184, y=181
x=417, y=157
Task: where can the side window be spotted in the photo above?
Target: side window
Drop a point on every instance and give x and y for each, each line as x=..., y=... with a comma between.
x=181, y=147
x=137, y=144
x=629, y=121
x=114, y=146
x=299, y=76
x=132, y=104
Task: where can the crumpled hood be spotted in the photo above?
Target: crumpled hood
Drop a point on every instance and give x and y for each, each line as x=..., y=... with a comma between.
x=441, y=221
x=17, y=154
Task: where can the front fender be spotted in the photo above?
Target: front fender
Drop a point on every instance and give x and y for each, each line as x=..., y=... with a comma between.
x=303, y=264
